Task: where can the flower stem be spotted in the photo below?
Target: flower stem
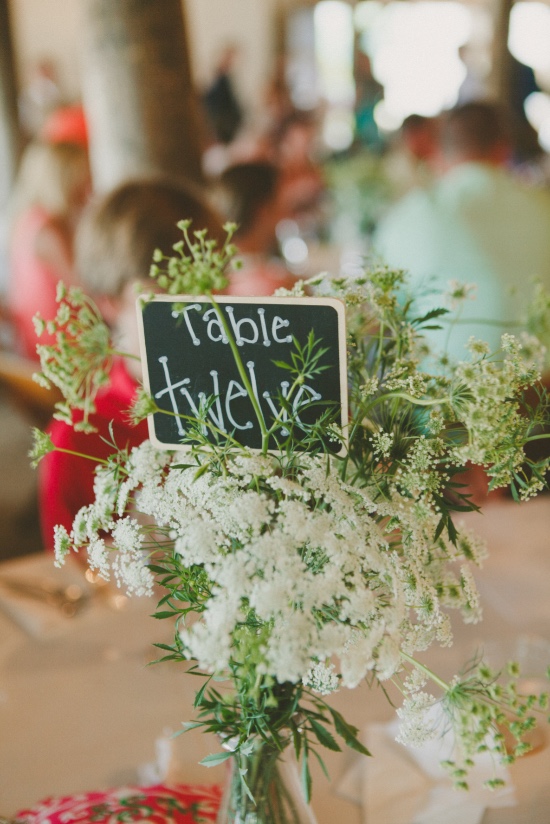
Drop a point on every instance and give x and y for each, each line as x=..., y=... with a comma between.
x=81, y=455
x=199, y=422
x=244, y=377
x=406, y=397
x=426, y=670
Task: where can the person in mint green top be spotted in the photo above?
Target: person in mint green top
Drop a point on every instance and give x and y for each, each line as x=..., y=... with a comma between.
x=476, y=224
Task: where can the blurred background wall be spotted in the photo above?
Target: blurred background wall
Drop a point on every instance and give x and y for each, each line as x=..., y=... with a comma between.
x=400, y=39
x=53, y=28
x=49, y=29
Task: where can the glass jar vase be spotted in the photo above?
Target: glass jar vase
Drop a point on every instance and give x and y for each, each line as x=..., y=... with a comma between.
x=263, y=787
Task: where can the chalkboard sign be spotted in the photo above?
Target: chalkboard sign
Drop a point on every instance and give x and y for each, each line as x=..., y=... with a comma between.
x=187, y=361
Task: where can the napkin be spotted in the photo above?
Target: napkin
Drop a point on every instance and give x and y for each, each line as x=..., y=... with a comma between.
x=401, y=785
x=38, y=618
x=165, y=767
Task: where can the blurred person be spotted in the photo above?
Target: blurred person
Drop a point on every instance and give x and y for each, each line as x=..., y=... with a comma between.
x=419, y=135
x=302, y=183
x=368, y=92
x=278, y=106
x=476, y=224
x=251, y=196
x=114, y=251
x=222, y=106
x=51, y=190
x=39, y=96
x=411, y=160
x=521, y=82
x=259, y=138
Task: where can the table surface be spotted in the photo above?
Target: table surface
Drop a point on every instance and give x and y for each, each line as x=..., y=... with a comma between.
x=80, y=709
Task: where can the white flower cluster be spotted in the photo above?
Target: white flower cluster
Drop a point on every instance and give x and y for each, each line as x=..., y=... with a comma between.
x=418, y=720
x=382, y=443
x=313, y=560
x=321, y=678
x=405, y=377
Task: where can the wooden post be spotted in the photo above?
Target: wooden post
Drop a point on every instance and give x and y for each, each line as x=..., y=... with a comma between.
x=502, y=59
x=10, y=135
x=137, y=89
x=279, y=28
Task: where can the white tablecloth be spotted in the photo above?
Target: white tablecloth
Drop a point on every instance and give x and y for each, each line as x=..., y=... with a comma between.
x=81, y=710
x=514, y=585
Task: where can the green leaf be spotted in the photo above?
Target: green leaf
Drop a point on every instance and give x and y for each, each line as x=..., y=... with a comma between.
x=246, y=787
x=440, y=528
x=297, y=739
x=158, y=569
x=306, y=777
x=321, y=763
x=200, y=693
x=201, y=471
x=433, y=313
x=348, y=733
x=176, y=656
x=324, y=736
x=189, y=725
x=520, y=481
x=215, y=759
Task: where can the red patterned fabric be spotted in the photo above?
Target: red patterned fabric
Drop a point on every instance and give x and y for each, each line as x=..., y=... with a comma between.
x=161, y=804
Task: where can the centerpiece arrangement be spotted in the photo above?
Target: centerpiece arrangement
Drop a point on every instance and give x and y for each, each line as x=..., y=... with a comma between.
x=328, y=555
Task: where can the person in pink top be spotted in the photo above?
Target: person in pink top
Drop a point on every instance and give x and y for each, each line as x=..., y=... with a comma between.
x=51, y=191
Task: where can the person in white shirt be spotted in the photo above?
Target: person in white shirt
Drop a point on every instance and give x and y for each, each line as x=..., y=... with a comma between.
x=476, y=224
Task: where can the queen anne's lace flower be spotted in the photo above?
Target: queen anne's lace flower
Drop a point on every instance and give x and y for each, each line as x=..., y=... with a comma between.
x=292, y=551
x=302, y=571
x=98, y=557
x=61, y=543
x=382, y=443
x=321, y=678
x=417, y=723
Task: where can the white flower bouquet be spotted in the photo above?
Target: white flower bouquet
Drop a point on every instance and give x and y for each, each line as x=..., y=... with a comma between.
x=291, y=572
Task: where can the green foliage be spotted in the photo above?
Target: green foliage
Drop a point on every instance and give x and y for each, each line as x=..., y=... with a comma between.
x=79, y=362
x=198, y=267
x=394, y=486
